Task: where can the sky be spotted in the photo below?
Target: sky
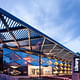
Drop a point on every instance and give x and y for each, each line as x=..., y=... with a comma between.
x=59, y=19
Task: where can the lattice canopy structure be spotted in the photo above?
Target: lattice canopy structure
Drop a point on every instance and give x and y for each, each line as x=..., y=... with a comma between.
x=19, y=35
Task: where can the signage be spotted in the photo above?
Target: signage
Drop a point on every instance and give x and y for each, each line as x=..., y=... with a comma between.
x=76, y=66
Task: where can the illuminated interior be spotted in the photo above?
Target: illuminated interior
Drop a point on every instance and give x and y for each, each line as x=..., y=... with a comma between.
x=20, y=59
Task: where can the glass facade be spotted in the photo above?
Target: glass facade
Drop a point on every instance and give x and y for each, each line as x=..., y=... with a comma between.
x=16, y=59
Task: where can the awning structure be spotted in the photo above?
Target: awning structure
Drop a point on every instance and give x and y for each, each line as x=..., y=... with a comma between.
x=19, y=35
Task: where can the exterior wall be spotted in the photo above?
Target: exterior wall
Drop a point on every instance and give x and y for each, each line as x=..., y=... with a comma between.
x=44, y=70
x=76, y=76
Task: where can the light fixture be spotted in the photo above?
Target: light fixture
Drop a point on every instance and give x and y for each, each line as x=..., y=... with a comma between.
x=14, y=67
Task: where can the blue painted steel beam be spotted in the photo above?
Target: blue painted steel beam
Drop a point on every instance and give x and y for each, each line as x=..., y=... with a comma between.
x=30, y=27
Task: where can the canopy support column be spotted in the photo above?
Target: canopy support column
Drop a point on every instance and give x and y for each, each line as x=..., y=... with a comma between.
x=1, y=56
x=39, y=66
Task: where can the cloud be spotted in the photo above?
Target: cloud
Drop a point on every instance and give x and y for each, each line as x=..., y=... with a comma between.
x=74, y=44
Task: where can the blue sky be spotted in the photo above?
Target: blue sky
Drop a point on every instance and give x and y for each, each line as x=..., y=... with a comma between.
x=59, y=19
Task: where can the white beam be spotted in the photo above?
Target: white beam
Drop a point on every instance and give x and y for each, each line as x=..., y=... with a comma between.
x=43, y=43
x=53, y=48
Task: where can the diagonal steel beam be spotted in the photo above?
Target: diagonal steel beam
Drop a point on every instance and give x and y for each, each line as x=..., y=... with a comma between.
x=65, y=54
x=60, y=52
x=5, y=24
x=42, y=43
x=29, y=38
x=53, y=48
x=70, y=57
